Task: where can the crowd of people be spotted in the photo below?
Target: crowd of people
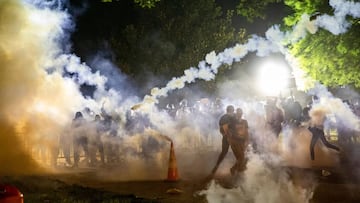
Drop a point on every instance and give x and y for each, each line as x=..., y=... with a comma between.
x=279, y=115
x=90, y=139
x=95, y=140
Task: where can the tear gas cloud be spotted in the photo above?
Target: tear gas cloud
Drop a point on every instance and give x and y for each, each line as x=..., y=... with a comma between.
x=40, y=82
x=41, y=86
x=26, y=89
x=261, y=183
x=274, y=41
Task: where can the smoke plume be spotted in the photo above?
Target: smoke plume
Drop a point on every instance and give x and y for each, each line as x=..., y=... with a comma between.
x=40, y=90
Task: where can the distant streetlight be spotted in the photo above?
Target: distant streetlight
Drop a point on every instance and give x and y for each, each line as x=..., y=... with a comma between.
x=272, y=78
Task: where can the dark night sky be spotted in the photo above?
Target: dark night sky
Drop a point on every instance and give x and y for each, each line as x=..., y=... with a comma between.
x=95, y=20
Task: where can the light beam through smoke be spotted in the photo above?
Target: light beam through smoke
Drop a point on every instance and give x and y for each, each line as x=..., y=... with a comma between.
x=40, y=85
x=274, y=41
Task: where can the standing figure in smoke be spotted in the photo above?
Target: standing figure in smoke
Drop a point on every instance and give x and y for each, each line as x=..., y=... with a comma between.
x=80, y=137
x=238, y=138
x=317, y=130
x=65, y=145
x=305, y=116
x=95, y=142
x=224, y=121
x=292, y=112
x=274, y=117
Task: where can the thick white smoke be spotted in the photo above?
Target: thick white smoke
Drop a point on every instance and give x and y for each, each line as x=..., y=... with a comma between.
x=41, y=83
x=260, y=184
x=274, y=41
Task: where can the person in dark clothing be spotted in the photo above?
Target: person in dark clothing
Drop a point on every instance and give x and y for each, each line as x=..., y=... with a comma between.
x=95, y=142
x=292, y=112
x=305, y=113
x=80, y=138
x=316, y=134
x=238, y=138
x=224, y=120
x=274, y=117
x=317, y=129
x=65, y=145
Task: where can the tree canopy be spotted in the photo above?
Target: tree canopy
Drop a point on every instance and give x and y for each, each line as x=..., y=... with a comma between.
x=172, y=37
x=330, y=59
x=176, y=34
x=253, y=9
x=142, y=3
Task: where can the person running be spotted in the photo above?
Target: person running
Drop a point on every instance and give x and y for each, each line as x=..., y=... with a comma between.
x=238, y=138
x=223, y=122
x=317, y=130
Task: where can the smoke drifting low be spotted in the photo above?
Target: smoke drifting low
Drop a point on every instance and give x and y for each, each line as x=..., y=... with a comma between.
x=40, y=91
x=263, y=183
x=40, y=83
x=27, y=92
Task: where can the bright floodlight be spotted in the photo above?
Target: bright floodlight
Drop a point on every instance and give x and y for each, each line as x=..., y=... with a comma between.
x=272, y=78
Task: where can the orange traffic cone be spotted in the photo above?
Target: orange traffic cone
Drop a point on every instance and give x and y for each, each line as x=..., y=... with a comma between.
x=172, y=170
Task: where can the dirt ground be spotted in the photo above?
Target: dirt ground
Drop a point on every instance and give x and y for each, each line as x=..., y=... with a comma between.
x=84, y=186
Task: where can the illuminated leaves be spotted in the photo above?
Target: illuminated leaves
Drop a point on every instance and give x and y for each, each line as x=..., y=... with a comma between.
x=142, y=3
x=146, y=3
x=253, y=9
x=331, y=59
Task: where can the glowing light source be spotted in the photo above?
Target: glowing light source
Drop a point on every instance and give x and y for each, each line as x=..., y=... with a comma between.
x=273, y=78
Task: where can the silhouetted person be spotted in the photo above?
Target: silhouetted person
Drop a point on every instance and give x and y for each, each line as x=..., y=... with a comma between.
x=95, y=141
x=238, y=138
x=224, y=120
x=274, y=117
x=292, y=112
x=65, y=145
x=317, y=130
x=316, y=134
x=80, y=137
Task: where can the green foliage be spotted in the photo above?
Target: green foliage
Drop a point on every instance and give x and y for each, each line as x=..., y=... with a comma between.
x=307, y=6
x=253, y=9
x=331, y=59
x=142, y=3
x=172, y=37
x=146, y=3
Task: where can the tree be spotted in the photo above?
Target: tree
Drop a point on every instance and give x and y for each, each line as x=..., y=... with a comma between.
x=142, y=3
x=331, y=59
x=172, y=37
x=253, y=9
x=146, y=3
